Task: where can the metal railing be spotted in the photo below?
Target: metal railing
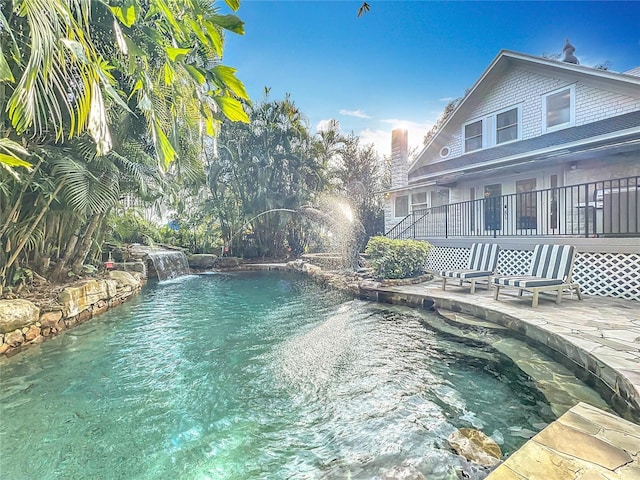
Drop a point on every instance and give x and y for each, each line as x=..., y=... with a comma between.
x=607, y=208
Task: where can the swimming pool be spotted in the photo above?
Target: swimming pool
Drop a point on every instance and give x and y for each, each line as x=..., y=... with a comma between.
x=256, y=375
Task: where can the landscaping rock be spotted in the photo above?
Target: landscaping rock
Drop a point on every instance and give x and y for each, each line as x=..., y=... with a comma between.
x=79, y=298
x=475, y=446
x=17, y=314
x=124, y=281
x=202, y=261
x=14, y=339
x=227, y=262
x=311, y=269
x=100, y=307
x=49, y=319
x=32, y=333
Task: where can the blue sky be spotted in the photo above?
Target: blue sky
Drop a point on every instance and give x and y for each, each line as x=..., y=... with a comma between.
x=399, y=64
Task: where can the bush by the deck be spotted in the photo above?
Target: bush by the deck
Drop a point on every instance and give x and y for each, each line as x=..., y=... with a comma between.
x=397, y=258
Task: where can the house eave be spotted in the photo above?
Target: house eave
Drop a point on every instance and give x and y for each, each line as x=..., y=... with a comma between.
x=621, y=140
x=408, y=188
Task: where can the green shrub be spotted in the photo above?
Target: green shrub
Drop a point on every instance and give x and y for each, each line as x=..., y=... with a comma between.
x=397, y=258
x=131, y=227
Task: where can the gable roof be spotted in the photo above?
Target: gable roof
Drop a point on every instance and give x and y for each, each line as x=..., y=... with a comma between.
x=625, y=83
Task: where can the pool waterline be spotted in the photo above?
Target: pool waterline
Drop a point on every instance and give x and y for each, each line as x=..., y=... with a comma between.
x=231, y=376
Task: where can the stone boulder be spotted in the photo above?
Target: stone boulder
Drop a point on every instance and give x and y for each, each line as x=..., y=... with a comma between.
x=475, y=446
x=124, y=280
x=14, y=339
x=202, y=261
x=16, y=314
x=79, y=298
x=49, y=319
x=226, y=262
x=311, y=269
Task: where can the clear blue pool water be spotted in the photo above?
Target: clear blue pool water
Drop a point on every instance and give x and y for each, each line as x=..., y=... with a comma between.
x=253, y=376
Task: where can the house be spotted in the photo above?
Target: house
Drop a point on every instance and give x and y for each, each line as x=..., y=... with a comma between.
x=538, y=151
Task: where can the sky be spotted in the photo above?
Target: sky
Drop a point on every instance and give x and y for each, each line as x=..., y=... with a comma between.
x=398, y=65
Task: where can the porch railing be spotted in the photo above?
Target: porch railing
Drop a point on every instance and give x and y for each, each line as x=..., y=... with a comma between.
x=608, y=208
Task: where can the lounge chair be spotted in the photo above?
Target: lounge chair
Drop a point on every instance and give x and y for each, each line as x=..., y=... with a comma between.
x=482, y=263
x=550, y=270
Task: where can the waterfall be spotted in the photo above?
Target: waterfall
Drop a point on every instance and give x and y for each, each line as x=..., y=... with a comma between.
x=169, y=264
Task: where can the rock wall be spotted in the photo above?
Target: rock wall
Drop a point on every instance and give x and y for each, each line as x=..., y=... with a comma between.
x=23, y=324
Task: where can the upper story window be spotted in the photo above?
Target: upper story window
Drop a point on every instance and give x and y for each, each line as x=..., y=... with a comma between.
x=473, y=136
x=494, y=129
x=507, y=126
x=558, y=109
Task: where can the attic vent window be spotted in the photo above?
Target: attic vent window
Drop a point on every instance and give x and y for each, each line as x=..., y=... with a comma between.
x=559, y=109
x=444, y=152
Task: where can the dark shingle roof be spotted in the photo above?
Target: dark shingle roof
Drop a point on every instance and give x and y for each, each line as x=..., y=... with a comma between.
x=554, y=139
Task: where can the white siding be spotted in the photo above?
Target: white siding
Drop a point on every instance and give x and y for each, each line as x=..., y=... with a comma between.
x=527, y=88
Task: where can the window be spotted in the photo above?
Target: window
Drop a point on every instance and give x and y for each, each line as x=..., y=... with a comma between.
x=440, y=197
x=418, y=200
x=558, y=109
x=526, y=204
x=499, y=127
x=507, y=126
x=402, y=206
x=473, y=136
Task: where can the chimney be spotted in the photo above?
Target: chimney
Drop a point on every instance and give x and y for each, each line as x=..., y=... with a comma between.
x=568, y=50
x=399, y=158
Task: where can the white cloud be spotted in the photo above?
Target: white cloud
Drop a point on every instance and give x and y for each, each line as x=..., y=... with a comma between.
x=381, y=140
x=445, y=99
x=324, y=124
x=354, y=113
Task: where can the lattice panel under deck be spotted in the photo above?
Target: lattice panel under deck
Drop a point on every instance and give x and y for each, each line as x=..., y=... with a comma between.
x=608, y=274
x=513, y=262
x=447, y=258
x=602, y=274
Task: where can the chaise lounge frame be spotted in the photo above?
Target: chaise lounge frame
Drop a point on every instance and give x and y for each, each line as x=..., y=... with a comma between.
x=550, y=270
x=482, y=264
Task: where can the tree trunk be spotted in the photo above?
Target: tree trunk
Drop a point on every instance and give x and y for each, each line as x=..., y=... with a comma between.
x=58, y=271
x=27, y=236
x=85, y=245
x=18, y=203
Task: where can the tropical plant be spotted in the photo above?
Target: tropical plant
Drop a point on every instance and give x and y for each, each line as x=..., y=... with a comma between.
x=262, y=173
x=100, y=100
x=397, y=258
x=358, y=176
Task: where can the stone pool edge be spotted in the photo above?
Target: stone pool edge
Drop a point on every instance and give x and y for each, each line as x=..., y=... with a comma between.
x=23, y=324
x=621, y=392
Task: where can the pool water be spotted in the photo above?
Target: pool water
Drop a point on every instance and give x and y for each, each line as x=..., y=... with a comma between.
x=254, y=376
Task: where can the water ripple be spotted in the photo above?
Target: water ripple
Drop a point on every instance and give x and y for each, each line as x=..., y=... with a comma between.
x=253, y=376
